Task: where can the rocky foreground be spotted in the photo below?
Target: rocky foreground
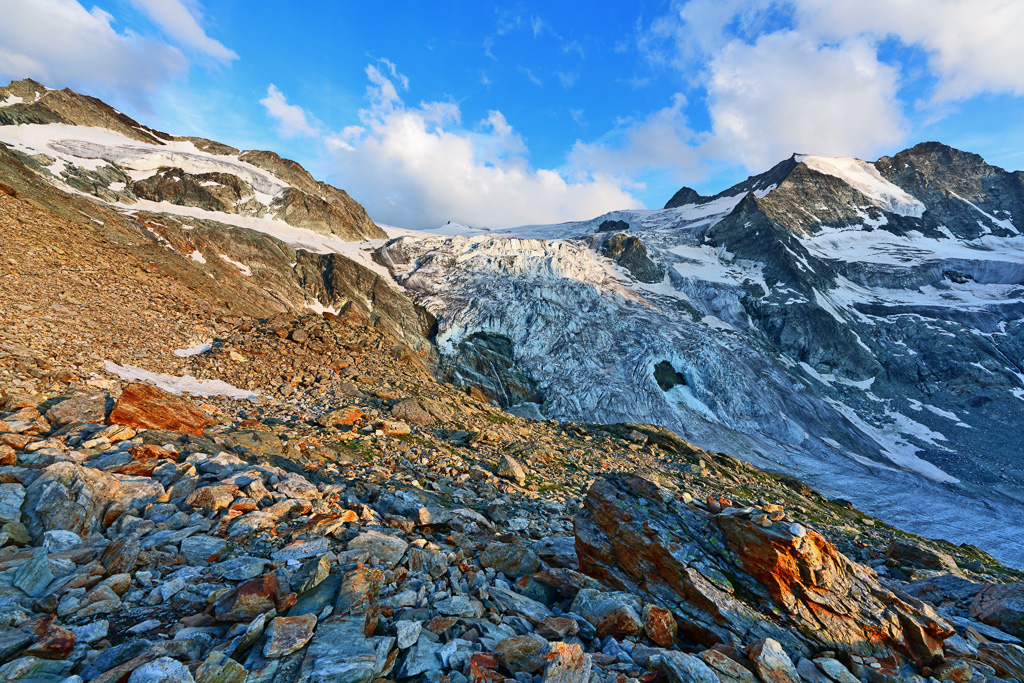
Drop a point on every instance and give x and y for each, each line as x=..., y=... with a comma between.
x=360, y=521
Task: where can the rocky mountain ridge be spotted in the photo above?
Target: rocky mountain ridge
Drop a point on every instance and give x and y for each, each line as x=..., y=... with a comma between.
x=132, y=162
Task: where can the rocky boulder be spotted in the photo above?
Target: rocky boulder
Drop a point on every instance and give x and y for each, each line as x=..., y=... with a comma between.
x=69, y=497
x=637, y=536
x=142, y=406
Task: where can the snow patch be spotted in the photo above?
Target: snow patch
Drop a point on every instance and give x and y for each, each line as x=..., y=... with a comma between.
x=193, y=350
x=244, y=269
x=197, y=256
x=865, y=178
x=185, y=384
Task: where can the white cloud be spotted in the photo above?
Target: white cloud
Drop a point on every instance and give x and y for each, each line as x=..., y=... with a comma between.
x=661, y=140
x=415, y=166
x=179, y=23
x=786, y=94
x=60, y=43
x=292, y=119
x=974, y=46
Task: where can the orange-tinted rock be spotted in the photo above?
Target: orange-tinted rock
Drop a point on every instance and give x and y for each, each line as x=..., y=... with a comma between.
x=253, y=598
x=213, y=498
x=840, y=600
x=659, y=625
x=567, y=664
x=633, y=535
x=288, y=635
x=53, y=641
x=146, y=407
x=482, y=668
x=147, y=451
x=121, y=555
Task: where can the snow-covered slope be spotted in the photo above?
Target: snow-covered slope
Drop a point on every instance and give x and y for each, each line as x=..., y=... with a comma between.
x=81, y=145
x=818, y=320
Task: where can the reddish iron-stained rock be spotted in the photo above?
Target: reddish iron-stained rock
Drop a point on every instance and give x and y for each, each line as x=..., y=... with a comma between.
x=288, y=635
x=659, y=625
x=482, y=668
x=53, y=641
x=567, y=664
x=142, y=406
x=121, y=555
x=839, y=600
x=253, y=598
x=634, y=535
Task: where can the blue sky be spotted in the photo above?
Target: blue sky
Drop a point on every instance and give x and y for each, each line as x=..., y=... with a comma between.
x=538, y=112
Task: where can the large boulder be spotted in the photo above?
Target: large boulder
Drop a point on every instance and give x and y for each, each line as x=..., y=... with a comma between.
x=69, y=497
x=142, y=406
x=1002, y=607
x=634, y=535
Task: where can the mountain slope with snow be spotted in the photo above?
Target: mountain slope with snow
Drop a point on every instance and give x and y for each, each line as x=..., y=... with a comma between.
x=81, y=144
x=859, y=325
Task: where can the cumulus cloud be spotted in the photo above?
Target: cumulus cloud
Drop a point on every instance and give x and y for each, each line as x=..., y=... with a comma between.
x=292, y=120
x=179, y=23
x=973, y=46
x=787, y=94
x=59, y=43
x=661, y=140
x=417, y=166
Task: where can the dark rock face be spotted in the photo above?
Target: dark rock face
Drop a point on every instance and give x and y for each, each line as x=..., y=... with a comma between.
x=686, y=195
x=487, y=362
x=667, y=377
x=719, y=573
x=629, y=252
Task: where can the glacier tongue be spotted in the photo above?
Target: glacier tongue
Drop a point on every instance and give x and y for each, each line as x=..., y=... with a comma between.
x=590, y=338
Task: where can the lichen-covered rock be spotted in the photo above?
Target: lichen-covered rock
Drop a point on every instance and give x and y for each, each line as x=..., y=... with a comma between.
x=69, y=497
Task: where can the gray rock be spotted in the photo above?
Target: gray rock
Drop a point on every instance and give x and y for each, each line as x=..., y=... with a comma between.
x=162, y=670
x=12, y=496
x=80, y=408
x=57, y=540
x=613, y=613
x=388, y=549
x=241, y=568
x=683, y=668
x=557, y=551
x=835, y=670
x=510, y=559
x=423, y=656
x=772, y=662
x=509, y=468
x=520, y=605
x=456, y=606
x=407, y=632
x=200, y=549
x=34, y=576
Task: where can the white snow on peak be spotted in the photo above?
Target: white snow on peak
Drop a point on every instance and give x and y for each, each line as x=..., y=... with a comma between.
x=865, y=178
x=11, y=99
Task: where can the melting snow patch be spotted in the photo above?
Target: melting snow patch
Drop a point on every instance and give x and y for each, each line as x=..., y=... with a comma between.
x=193, y=350
x=180, y=385
x=318, y=307
x=245, y=270
x=197, y=256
